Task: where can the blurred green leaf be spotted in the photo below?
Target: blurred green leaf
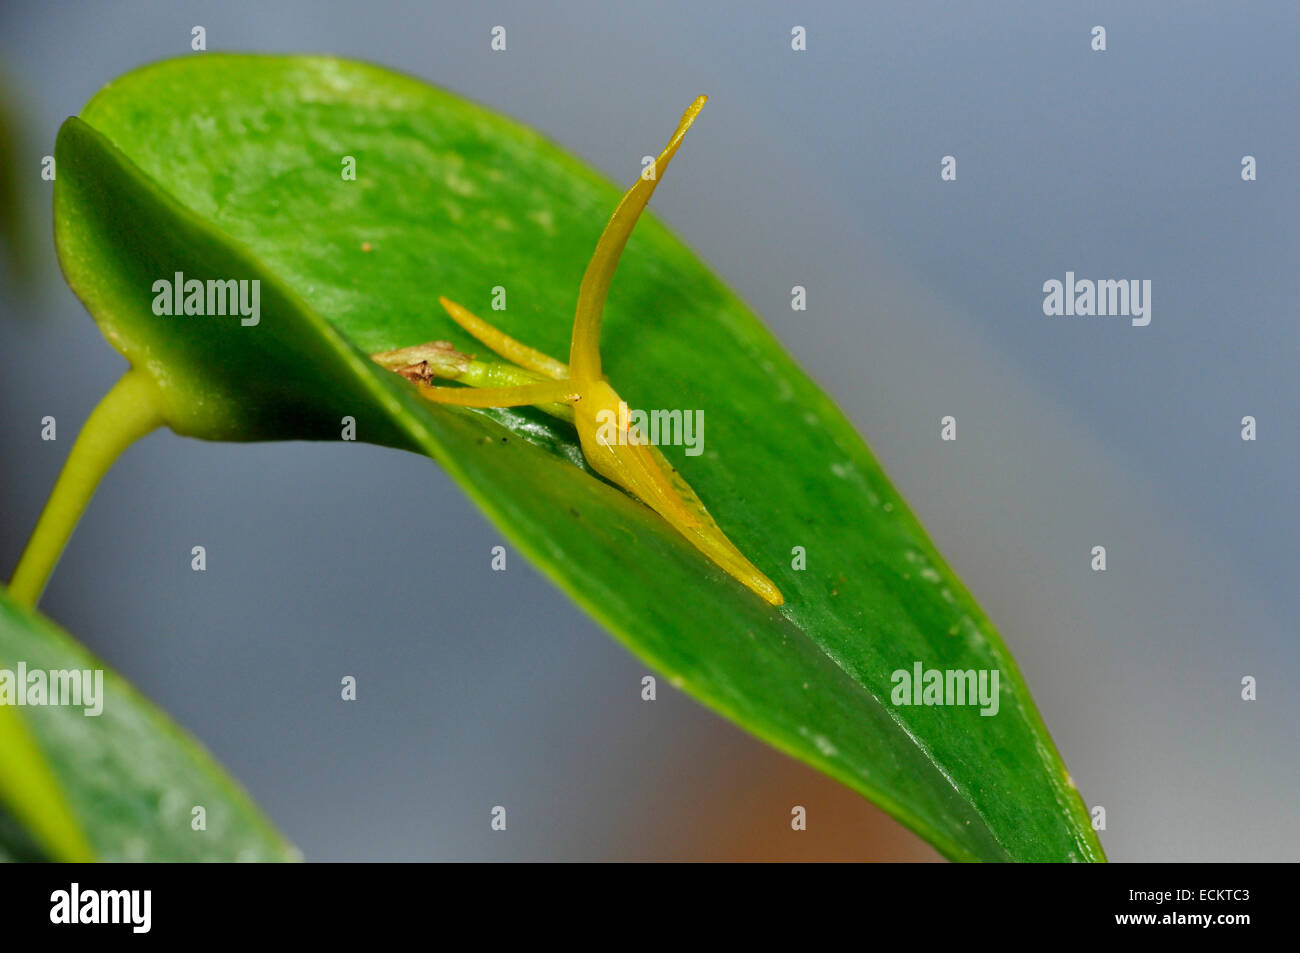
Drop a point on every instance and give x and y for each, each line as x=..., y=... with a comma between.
x=127, y=779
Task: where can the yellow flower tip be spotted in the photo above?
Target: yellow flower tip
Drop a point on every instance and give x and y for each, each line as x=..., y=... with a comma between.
x=688, y=118
x=759, y=584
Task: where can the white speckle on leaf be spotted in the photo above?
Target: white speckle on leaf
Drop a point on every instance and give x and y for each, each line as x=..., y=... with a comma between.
x=460, y=186
x=972, y=630
x=824, y=746
x=820, y=742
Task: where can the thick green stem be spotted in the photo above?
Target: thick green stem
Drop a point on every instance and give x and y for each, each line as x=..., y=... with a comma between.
x=128, y=412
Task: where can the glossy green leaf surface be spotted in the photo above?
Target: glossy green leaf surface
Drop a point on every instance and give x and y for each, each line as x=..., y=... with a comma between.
x=128, y=778
x=229, y=167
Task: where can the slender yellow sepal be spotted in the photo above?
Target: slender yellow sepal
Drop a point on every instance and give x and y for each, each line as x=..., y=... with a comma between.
x=584, y=350
x=541, y=393
x=503, y=344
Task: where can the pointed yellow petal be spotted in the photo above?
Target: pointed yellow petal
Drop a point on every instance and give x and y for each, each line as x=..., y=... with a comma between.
x=503, y=344
x=546, y=392
x=705, y=534
x=643, y=471
x=584, y=351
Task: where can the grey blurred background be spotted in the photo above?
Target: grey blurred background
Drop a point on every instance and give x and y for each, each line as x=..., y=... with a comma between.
x=818, y=168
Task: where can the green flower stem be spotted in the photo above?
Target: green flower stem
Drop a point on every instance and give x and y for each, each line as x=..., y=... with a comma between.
x=131, y=409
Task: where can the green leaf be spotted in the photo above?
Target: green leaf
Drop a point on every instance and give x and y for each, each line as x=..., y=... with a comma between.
x=29, y=786
x=228, y=167
x=125, y=780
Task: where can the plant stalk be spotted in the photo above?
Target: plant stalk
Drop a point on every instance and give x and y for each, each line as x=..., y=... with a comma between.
x=129, y=410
